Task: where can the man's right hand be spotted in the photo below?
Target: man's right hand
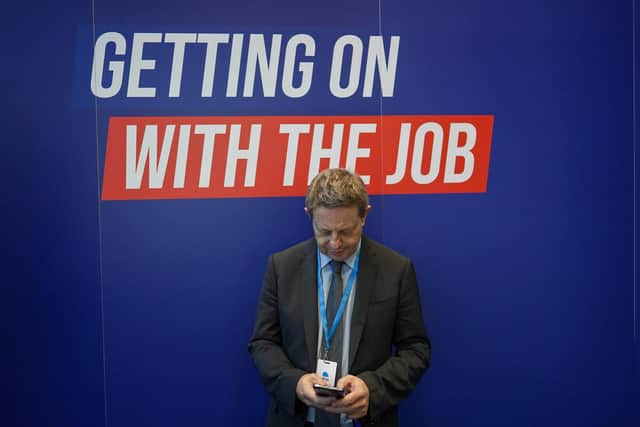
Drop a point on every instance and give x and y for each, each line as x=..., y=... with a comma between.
x=308, y=396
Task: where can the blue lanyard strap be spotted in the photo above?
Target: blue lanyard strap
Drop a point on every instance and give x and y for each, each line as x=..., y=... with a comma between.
x=343, y=303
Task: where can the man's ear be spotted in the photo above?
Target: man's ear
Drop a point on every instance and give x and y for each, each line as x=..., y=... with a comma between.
x=366, y=212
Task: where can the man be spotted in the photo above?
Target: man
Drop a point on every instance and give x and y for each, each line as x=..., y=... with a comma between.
x=375, y=344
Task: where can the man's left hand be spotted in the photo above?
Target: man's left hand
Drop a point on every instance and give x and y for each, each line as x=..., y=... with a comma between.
x=356, y=403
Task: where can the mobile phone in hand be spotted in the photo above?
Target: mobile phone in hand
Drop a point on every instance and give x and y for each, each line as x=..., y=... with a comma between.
x=328, y=391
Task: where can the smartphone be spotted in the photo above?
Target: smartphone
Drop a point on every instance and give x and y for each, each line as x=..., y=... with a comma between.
x=328, y=391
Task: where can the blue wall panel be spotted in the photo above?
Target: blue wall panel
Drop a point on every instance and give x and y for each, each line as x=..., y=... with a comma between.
x=126, y=313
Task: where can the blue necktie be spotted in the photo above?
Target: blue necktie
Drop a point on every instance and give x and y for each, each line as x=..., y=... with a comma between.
x=333, y=303
x=324, y=419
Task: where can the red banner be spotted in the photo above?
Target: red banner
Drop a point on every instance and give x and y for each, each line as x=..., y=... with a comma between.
x=277, y=156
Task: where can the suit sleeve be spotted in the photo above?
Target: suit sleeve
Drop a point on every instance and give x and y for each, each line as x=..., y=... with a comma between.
x=398, y=376
x=276, y=371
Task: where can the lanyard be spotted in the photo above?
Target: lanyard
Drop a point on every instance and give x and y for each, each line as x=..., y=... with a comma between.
x=343, y=303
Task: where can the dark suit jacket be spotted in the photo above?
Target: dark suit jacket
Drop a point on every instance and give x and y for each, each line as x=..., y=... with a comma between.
x=389, y=347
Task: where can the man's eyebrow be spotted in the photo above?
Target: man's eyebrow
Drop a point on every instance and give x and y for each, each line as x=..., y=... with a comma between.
x=337, y=230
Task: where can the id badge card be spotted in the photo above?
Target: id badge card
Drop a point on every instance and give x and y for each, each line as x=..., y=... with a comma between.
x=327, y=370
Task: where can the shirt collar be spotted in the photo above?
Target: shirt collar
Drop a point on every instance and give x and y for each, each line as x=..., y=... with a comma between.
x=324, y=259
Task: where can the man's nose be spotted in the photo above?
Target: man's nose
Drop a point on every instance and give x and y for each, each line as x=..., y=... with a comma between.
x=334, y=240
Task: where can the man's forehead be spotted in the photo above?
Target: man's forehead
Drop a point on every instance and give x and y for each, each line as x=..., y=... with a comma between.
x=330, y=222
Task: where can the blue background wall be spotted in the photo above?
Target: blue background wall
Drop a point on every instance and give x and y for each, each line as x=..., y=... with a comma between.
x=138, y=313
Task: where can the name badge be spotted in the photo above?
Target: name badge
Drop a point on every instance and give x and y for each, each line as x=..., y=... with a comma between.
x=327, y=370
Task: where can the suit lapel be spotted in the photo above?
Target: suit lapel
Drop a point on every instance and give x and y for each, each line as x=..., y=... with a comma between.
x=365, y=288
x=310, y=302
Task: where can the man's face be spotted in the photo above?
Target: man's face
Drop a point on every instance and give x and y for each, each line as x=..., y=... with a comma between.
x=338, y=230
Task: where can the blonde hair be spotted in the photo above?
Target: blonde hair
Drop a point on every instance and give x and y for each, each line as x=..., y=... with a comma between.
x=333, y=188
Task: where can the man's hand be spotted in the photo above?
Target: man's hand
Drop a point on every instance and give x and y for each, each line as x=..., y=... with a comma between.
x=308, y=396
x=356, y=403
